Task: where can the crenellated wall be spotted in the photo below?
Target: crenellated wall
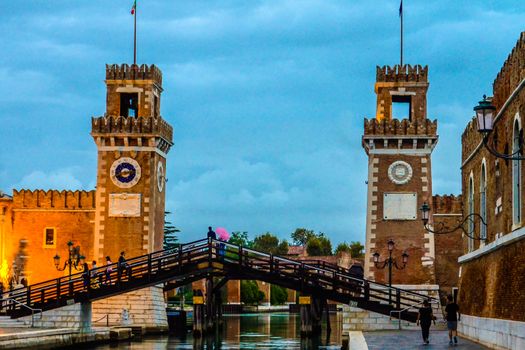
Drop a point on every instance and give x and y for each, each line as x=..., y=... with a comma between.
x=404, y=73
x=133, y=72
x=395, y=127
x=511, y=74
x=131, y=125
x=447, y=204
x=53, y=199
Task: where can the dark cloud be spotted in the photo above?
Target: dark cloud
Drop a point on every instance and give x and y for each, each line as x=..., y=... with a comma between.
x=267, y=98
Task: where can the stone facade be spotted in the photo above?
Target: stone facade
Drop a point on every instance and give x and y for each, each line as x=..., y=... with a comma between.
x=492, y=271
x=405, y=145
x=120, y=215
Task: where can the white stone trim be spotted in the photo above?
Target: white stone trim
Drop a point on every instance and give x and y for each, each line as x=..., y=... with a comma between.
x=492, y=332
x=403, y=151
x=507, y=239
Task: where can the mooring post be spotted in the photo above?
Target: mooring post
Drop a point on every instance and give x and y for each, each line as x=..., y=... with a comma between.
x=210, y=307
x=316, y=310
x=198, y=314
x=306, y=317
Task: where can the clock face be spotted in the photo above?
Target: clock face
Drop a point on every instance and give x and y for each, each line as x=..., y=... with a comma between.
x=125, y=172
x=400, y=172
x=160, y=176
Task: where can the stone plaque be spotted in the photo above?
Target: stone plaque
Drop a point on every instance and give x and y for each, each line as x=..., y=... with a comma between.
x=399, y=206
x=124, y=204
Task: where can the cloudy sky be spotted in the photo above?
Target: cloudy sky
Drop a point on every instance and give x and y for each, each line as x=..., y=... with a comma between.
x=267, y=98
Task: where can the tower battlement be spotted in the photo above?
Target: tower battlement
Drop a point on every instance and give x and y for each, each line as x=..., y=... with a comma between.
x=511, y=74
x=133, y=72
x=53, y=199
x=404, y=73
x=130, y=125
x=396, y=127
x=447, y=204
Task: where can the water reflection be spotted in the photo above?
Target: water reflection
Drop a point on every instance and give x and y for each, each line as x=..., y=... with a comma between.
x=248, y=331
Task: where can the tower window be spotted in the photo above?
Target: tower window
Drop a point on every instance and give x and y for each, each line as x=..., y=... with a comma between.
x=49, y=237
x=401, y=106
x=516, y=176
x=129, y=104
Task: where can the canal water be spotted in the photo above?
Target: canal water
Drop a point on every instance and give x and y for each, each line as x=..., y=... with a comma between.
x=246, y=331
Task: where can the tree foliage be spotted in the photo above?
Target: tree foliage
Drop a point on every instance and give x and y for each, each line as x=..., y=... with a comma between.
x=269, y=243
x=278, y=295
x=250, y=293
x=343, y=247
x=357, y=249
x=240, y=239
x=301, y=236
x=319, y=245
x=170, y=233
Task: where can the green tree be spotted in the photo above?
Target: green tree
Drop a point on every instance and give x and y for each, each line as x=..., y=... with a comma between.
x=278, y=295
x=301, y=236
x=269, y=243
x=250, y=293
x=170, y=233
x=343, y=247
x=319, y=245
x=240, y=239
x=357, y=249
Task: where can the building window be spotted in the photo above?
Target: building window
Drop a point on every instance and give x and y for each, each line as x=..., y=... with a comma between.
x=129, y=104
x=516, y=176
x=50, y=237
x=483, y=201
x=470, y=241
x=401, y=106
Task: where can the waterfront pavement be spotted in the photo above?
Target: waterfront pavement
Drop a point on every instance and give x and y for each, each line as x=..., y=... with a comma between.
x=404, y=340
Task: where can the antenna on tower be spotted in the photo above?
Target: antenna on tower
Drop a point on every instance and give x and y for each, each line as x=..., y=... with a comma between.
x=401, y=17
x=134, y=14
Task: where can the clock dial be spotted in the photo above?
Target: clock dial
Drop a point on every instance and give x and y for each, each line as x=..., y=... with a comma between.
x=400, y=172
x=160, y=176
x=125, y=172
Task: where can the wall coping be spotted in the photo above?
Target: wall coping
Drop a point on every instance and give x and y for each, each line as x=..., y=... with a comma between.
x=507, y=239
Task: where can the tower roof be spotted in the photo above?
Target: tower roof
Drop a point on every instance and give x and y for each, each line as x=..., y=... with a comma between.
x=134, y=72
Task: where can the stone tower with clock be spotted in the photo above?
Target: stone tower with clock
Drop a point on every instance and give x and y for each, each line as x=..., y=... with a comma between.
x=399, y=176
x=132, y=141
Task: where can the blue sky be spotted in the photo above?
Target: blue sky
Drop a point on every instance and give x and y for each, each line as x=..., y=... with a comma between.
x=267, y=98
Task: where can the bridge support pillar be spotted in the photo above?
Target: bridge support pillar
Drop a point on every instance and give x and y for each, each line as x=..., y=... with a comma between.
x=199, y=319
x=311, y=312
x=85, y=317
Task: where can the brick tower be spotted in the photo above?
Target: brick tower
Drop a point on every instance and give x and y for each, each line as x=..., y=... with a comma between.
x=399, y=176
x=132, y=141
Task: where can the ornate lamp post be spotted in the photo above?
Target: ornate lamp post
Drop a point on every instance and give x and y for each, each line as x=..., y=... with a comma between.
x=443, y=230
x=390, y=262
x=485, y=115
x=73, y=261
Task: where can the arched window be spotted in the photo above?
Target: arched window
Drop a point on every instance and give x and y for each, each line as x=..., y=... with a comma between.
x=470, y=241
x=483, y=201
x=516, y=176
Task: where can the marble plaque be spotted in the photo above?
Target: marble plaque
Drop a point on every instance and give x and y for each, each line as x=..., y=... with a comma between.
x=124, y=204
x=399, y=206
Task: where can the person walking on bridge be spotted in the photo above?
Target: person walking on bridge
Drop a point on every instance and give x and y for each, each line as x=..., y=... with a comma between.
x=211, y=233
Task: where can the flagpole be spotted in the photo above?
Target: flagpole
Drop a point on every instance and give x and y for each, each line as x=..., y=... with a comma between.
x=135, y=36
x=401, y=13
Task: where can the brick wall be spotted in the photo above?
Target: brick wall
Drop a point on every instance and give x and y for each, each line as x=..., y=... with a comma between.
x=448, y=247
x=492, y=285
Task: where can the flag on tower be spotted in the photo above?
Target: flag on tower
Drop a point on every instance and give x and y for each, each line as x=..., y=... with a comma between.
x=401, y=8
x=133, y=7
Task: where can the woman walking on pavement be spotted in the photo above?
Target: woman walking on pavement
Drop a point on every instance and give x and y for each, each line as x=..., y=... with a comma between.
x=425, y=317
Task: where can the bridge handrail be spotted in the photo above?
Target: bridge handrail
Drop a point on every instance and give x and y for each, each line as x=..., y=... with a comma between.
x=33, y=310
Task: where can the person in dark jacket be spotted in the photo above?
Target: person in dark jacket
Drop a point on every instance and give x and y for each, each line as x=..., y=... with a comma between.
x=425, y=318
x=211, y=233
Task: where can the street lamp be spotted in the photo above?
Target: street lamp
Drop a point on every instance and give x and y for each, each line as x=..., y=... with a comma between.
x=390, y=262
x=485, y=114
x=443, y=230
x=73, y=261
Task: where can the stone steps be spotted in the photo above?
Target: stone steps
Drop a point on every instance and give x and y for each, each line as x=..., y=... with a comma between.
x=8, y=322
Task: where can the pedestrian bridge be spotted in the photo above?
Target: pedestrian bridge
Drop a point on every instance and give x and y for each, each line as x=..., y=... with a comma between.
x=207, y=258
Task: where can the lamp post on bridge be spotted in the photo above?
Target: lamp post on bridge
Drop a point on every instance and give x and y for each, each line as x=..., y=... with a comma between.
x=390, y=262
x=73, y=261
